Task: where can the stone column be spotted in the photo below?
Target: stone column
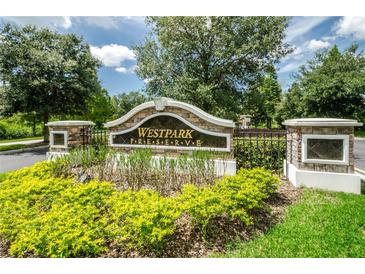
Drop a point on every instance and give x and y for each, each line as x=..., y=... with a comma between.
x=320, y=154
x=66, y=135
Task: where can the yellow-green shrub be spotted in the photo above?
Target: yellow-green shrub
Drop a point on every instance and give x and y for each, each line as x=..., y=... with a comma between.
x=73, y=227
x=142, y=218
x=44, y=216
x=233, y=196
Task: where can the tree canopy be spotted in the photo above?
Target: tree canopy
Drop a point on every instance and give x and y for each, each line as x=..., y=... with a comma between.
x=262, y=100
x=46, y=72
x=124, y=102
x=210, y=61
x=332, y=84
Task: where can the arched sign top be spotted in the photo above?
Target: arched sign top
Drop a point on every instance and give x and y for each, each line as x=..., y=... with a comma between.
x=161, y=103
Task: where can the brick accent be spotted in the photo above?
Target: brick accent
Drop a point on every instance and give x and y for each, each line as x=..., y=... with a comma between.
x=295, y=148
x=75, y=137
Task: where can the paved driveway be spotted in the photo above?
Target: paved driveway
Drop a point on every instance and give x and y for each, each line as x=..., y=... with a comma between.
x=22, y=159
x=359, y=153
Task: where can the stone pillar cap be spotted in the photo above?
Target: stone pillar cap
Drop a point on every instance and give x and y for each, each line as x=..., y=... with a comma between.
x=70, y=123
x=322, y=122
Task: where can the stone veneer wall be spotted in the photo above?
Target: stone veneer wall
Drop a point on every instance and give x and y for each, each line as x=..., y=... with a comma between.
x=75, y=136
x=294, y=154
x=189, y=116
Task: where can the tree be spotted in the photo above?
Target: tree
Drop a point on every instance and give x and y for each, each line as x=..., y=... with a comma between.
x=46, y=72
x=332, y=84
x=209, y=61
x=261, y=100
x=100, y=108
x=122, y=103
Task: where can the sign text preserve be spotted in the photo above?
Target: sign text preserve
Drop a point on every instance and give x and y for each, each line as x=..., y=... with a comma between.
x=165, y=130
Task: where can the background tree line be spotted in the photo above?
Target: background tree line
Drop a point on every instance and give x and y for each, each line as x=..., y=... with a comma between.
x=224, y=65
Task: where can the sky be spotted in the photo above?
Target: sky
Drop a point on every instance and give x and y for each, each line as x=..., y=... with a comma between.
x=111, y=40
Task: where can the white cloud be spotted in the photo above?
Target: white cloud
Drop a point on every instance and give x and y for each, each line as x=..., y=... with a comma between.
x=67, y=22
x=102, y=21
x=318, y=44
x=126, y=70
x=121, y=70
x=302, y=25
x=41, y=21
x=136, y=19
x=289, y=67
x=111, y=22
x=351, y=26
x=329, y=38
x=112, y=55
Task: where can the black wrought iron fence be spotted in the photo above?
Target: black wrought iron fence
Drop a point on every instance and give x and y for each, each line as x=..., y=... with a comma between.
x=256, y=147
x=253, y=147
x=96, y=137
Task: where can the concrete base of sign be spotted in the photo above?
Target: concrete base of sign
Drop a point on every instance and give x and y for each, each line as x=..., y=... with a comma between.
x=222, y=166
x=344, y=182
x=51, y=154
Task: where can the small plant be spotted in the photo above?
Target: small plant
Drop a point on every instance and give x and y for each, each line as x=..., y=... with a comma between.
x=139, y=169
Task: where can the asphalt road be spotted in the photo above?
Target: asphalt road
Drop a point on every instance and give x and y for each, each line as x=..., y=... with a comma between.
x=23, y=159
x=19, y=160
x=359, y=153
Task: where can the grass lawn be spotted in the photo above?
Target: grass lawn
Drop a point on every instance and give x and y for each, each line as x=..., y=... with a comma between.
x=11, y=147
x=21, y=139
x=322, y=224
x=360, y=133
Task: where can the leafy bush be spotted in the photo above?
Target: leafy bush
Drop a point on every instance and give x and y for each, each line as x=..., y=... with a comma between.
x=142, y=218
x=233, y=196
x=45, y=216
x=72, y=227
x=260, y=153
x=15, y=127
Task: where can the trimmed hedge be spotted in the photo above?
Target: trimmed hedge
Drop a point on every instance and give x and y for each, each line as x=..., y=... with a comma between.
x=45, y=216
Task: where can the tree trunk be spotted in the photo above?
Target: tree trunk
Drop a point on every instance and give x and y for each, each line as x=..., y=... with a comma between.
x=45, y=128
x=34, y=124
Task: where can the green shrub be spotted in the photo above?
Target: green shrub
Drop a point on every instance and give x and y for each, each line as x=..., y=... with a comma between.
x=14, y=127
x=142, y=218
x=233, y=196
x=260, y=153
x=45, y=216
x=72, y=227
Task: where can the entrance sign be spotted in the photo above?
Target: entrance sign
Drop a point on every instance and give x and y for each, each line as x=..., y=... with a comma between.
x=169, y=131
x=165, y=124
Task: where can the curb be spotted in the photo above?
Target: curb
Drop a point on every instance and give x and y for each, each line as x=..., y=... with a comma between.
x=359, y=139
x=15, y=151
